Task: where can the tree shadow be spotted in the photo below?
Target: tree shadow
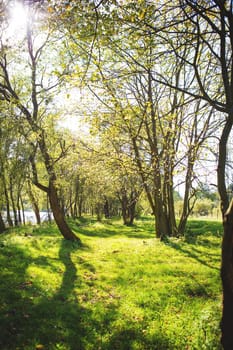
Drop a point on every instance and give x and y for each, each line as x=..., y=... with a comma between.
x=70, y=275
x=30, y=315
x=129, y=338
x=197, y=230
x=107, y=230
x=195, y=254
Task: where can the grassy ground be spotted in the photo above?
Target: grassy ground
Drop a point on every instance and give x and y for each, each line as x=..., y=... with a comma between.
x=123, y=289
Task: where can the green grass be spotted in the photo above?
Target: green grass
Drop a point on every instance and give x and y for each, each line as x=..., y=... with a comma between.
x=123, y=289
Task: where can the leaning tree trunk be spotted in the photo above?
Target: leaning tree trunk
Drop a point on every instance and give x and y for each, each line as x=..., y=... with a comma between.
x=8, y=215
x=19, y=209
x=34, y=203
x=36, y=212
x=51, y=191
x=13, y=203
x=59, y=216
x=22, y=207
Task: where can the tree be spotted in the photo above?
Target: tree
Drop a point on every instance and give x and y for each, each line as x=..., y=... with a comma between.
x=34, y=202
x=204, y=29
x=31, y=98
x=122, y=76
x=125, y=181
x=12, y=161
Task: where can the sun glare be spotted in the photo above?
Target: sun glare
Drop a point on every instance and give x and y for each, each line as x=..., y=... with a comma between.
x=18, y=18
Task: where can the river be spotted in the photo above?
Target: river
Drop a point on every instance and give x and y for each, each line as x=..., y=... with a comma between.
x=30, y=217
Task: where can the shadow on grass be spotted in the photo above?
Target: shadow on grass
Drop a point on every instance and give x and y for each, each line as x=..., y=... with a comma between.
x=200, y=256
x=31, y=316
x=108, y=229
x=129, y=338
x=197, y=239
x=197, y=228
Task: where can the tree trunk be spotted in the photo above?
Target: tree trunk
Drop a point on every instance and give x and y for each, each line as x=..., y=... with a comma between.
x=37, y=213
x=58, y=215
x=48, y=210
x=161, y=215
x=13, y=203
x=106, y=209
x=8, y=215
x=227, y=280
x=51, y=191
x=78, y=199
x=161, y=221
x=2, y=225
x=71, y=207
x=22, y=207
x=75, y=211
x=132, y=212
x=186, y=210
x=227, y=242
x=171, y=209
x=98, y=212
x=124, y=207
x=18, y=202
x=80, y=205
x=19, y=209
x=34, y=204
x=168, y=186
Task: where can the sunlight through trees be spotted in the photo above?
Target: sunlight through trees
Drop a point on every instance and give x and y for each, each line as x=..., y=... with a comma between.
x=149, y=84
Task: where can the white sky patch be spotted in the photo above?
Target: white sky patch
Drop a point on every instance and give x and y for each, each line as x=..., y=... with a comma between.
x=76, y=124
x=72, y=105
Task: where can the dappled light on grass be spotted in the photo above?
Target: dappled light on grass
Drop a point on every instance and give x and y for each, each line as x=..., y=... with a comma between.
x=119, y=291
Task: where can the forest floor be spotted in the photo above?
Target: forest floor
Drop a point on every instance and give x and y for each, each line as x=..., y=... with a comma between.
x=122, y=290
